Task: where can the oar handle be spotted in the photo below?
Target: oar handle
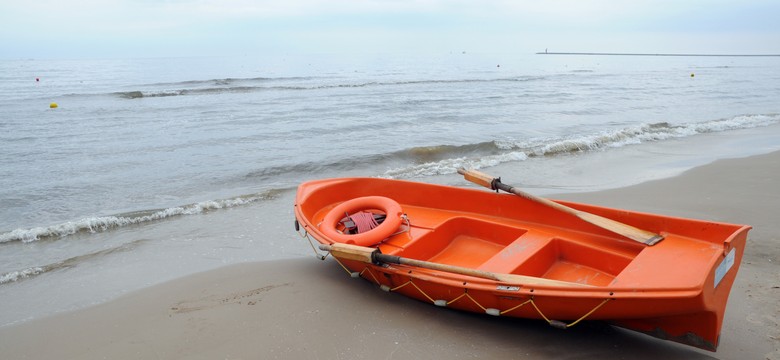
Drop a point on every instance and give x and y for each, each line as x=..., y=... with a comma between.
x=494, y=183
x=351, y=252
x=478, y=178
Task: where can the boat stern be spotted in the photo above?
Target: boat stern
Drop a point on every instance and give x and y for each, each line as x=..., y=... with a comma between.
x=701, y=329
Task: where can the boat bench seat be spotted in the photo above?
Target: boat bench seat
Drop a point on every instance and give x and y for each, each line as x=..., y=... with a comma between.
x=517, y=252
x=422, y=220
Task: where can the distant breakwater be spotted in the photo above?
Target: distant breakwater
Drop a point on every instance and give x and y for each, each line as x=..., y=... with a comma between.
x=649, y=54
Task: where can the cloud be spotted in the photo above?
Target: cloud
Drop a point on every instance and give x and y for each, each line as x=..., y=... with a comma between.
x=187, y=27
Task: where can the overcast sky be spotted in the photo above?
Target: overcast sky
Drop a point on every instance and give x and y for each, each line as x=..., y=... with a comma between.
x=150, y=28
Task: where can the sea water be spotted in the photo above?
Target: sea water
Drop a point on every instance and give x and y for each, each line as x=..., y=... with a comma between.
x=151, y=169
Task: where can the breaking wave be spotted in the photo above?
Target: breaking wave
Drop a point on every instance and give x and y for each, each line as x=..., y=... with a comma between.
x=103, y=223
x=446, y=159
x=412, y=162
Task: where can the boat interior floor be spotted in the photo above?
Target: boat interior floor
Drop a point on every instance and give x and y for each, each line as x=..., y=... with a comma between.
x=507, y=246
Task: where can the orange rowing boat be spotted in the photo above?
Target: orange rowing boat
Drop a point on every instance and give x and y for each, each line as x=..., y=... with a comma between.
x=528, y=257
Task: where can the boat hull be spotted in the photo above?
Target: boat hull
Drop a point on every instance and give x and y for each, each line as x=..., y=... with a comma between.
x=676, y=290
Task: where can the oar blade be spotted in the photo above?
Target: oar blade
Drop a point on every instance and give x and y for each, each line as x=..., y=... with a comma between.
x=633, y=233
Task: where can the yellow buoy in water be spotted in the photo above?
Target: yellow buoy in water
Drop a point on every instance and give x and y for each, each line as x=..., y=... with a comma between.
x=53, y=105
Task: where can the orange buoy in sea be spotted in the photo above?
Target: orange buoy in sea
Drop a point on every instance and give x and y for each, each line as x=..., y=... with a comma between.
x=53, y=105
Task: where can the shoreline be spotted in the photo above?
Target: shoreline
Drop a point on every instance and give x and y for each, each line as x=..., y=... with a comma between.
x=304, y=308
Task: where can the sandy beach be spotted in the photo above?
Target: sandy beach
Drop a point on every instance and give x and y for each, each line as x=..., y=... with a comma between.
x=305, y=308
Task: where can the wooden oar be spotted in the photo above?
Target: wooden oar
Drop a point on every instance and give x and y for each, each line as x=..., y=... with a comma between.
x=639, y=235
x=373, y=256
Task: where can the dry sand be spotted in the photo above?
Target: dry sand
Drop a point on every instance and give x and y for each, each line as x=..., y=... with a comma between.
x=305, y=308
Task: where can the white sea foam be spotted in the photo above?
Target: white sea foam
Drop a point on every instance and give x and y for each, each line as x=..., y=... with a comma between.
x=102, y=223
x=632, y=135
x=652, y=132
x=450, y=166
x=21, y=274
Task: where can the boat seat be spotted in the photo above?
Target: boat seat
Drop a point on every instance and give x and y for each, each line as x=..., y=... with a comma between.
x=422, y=220
x=517, y=252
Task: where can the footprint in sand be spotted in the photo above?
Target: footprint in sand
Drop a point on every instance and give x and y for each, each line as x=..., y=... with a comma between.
x=250, y=297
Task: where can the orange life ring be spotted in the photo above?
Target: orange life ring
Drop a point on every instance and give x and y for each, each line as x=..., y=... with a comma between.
x=392, y=221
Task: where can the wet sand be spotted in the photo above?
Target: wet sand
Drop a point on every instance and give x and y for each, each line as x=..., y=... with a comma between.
x=305, y=308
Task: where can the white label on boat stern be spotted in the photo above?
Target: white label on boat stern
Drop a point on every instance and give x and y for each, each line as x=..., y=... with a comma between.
x=724, y=266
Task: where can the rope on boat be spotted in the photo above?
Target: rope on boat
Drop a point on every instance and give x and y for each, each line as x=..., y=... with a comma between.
x=305, y=235
x=518, y=306
x=408, y=229
x=364, y=221
x=490, y=311
x=562, y=325
x=407, y=283
x=345, y=268
x=588, y=314
x=466, y=294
